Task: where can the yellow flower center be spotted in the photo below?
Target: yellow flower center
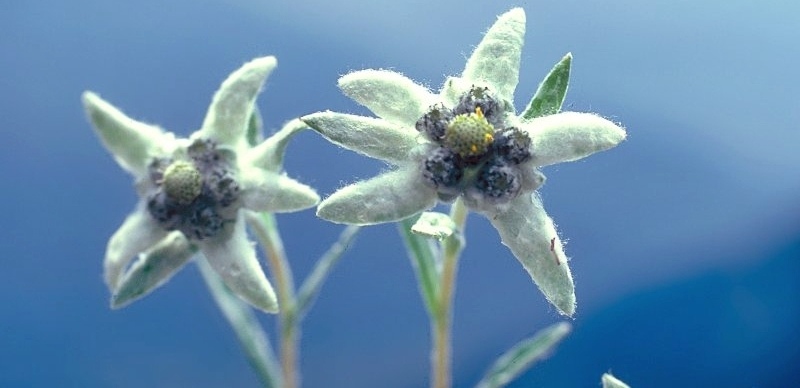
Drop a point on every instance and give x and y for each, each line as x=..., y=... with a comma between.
x=469, y=134
x=182, y=182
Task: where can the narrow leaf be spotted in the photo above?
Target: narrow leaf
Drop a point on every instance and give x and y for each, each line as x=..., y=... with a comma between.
x=610, y=381
x=248, y=331
x=524, y=355
x=423, y=259
x=551, y=92
x=313, y=283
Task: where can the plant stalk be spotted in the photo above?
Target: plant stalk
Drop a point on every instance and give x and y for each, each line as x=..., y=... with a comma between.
x=266, y=230
x=442, y=319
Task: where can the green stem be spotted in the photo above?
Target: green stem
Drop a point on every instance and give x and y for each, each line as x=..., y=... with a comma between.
x=313, y=283
x=265, y=228
x=424, y=261
x=442, y=319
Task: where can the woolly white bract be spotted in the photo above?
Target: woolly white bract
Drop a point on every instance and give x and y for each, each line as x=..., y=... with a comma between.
x=200, y=205
x=509, y=201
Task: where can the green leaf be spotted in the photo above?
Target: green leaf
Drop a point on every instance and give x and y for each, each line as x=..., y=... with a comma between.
x=551, y=92
x=524, y=355
x=423, y=257
x=248, y=331
x=313, y=283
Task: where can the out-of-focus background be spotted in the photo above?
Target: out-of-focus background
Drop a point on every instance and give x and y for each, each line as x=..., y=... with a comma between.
x=684, y=240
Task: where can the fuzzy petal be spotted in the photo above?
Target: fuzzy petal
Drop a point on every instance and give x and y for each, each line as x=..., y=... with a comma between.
x=132, y=143
x=531, y=235
x=232, y=106
x=453, y=89
x=496, y=59
x=153, y=268
x=234, y=259
x=389, y=197
x=269, y=153
x=569, y=136
x=138, y=233
x=609, y=381
x=388, y=94
x=372, y=137
x=269, y=191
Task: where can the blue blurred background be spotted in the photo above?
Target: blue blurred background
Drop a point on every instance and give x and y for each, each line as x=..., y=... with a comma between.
x=685, y=239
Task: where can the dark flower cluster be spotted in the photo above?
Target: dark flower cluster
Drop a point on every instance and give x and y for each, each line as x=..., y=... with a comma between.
x=199, y=218
x=476, y=150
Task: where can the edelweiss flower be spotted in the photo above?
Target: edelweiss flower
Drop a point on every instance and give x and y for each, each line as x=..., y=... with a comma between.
x=193, y=192
x=466, y=142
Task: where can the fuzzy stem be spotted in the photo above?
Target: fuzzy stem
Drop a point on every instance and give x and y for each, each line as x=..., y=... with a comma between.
x=266, y=230
x=442, y=319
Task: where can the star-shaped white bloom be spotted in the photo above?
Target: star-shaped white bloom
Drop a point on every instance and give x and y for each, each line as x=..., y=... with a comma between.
x=194, y=192
x=467, y=141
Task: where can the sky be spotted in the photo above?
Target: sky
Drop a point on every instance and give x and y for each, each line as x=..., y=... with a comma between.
x=684, y=240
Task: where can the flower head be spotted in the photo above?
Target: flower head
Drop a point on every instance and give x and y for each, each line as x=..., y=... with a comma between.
x=193, y=191
x=467, y=141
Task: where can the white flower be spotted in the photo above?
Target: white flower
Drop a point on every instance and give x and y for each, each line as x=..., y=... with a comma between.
x=193, y=192
x=467, y=141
